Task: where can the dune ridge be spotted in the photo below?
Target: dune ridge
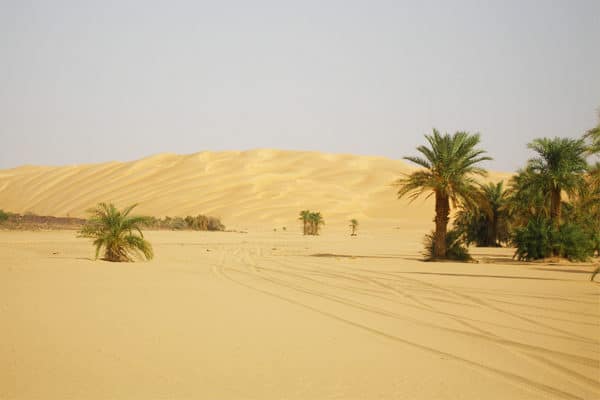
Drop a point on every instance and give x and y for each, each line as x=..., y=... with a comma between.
x=255, y=186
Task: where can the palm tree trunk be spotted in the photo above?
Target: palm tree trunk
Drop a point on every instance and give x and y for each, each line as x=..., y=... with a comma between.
x=555, y=206
x=442, y=212
x=492, y=232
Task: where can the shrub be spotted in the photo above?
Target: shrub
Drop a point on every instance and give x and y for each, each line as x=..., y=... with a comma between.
x=198, y=223
x=575, y=242
x=534, y=240
x=177, y=224
x=118, y=232
x=3, y=216
x=541, y=239
x=214, y=224
x=455, y=249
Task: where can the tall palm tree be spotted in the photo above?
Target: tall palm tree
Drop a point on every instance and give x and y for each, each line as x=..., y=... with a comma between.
x=449, y=166
x=119, y=233
x=560, y=166
x=353, y=226
x=304, y=217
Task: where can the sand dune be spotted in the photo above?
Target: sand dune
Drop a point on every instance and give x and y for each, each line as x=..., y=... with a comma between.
x=268, y=187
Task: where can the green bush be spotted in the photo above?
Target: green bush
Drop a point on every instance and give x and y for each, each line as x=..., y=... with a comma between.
x=540, y=239
x=575, y=242
x=177, y=224
x=204, y=223
x=455, y=249
x=534, y=240
x=3, y=216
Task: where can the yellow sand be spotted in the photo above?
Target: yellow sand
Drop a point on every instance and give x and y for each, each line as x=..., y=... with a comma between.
x=255, y=316
x=220, y=315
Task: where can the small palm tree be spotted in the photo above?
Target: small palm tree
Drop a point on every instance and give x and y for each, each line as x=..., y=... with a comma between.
x=525, y=201
x=304, y=217
x=486, y=221
x=316, y=220
x=449, y=165
x=560, y=166
x=493, y=204
x=353, y=225
x=119, y=233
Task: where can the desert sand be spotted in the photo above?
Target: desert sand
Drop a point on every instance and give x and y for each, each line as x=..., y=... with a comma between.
x=258, y=316
x=275, y=314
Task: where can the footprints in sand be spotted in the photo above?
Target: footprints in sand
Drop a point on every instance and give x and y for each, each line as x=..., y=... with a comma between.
x=376, y=296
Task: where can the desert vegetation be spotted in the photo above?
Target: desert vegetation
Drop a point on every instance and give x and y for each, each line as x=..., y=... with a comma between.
x=31, y=221
x=449, y=166
x=353, y=226
x=555, y=202
x=485, y=222
x=311, y=222
x=550, y=208
x=197, y=223
x=118, y=232
x=3, y=216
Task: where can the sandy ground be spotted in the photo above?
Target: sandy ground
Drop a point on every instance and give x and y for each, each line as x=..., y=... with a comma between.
x=258, y=316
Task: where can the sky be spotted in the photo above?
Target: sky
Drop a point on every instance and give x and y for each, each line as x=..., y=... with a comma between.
x=84, y=82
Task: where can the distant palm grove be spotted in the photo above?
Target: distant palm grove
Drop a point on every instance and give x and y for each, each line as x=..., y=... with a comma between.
x=311, y=222
x=550, y=208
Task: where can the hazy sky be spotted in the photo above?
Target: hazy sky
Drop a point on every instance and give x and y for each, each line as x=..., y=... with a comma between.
x=119, y=80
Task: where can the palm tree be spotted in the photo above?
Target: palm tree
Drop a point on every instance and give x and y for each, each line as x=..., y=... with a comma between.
x=586, y=206
x=304, y=217
x=560, y=166
x=118, y=232
x=316, y=220
x=525, y=201
x=353, y=226
x=449, y=162
x=493, y=201
x=486, y=220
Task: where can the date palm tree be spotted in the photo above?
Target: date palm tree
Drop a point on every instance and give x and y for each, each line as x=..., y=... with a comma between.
x=353, y=225
x=493, y=203
x=526, y=202
x=119, y=233
x=305, y=217
x=316, y=220
x=450, y=164
x=559, y=167
x=486, y=221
